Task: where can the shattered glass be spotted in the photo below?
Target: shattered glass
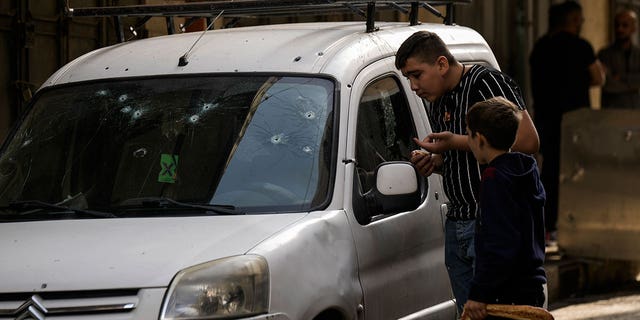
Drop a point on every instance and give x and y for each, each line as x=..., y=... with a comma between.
x=261, y=143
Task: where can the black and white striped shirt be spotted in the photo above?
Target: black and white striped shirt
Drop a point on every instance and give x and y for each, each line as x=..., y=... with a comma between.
x=461, y=171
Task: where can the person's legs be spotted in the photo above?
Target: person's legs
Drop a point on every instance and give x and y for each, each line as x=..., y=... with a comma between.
x=459, y=258
x=550, y=179
x=550, y=175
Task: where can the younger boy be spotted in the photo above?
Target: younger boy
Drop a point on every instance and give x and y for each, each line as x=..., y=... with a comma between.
x=509, y=238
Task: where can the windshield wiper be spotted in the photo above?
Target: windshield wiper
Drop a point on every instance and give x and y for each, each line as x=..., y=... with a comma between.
x=33, y=206
x=168, y=203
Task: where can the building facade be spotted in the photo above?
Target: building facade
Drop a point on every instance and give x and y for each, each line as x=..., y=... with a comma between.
x=36, y=38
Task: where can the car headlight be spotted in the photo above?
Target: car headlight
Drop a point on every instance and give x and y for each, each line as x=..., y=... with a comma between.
x=225, y=288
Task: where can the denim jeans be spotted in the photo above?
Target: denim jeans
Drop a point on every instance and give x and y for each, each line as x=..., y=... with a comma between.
x=459, y=257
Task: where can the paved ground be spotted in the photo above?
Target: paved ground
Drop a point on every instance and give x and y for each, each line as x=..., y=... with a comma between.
x=623, y=304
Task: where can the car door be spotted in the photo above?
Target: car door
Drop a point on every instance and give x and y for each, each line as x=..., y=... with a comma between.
x=400, y=256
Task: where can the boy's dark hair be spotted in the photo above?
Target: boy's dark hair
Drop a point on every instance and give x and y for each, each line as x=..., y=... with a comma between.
x=497, y=119
x=424, y=45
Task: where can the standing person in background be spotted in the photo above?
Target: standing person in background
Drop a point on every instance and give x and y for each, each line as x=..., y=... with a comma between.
x=563, y=67
x=621, y=61
x=452, y=88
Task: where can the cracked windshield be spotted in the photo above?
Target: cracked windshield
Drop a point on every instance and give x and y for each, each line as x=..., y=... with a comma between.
x=254, y=143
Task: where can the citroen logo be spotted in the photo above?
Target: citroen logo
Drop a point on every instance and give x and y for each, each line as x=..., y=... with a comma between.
x=31, y=309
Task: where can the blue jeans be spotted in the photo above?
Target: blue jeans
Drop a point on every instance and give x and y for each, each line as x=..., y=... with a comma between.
x=459, y=257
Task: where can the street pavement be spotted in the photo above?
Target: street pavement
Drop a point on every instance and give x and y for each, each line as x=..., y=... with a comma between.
x=619, y=304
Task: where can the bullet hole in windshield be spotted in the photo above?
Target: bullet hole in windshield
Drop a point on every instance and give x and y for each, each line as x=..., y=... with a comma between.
x=102, y=93
x=279, y=138
x=309, y=115
x=140, y=153
x=207, y=106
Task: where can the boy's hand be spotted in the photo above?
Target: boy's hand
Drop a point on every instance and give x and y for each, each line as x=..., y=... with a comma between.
x=474, y=310
x=425, y=162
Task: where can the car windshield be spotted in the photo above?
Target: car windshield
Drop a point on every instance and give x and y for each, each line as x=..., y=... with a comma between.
x=255, y=143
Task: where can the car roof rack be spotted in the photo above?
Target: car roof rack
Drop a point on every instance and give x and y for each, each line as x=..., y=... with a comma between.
x=253, y=8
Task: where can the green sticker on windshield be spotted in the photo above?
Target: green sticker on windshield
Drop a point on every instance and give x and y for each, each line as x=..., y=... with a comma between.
x=168, y=168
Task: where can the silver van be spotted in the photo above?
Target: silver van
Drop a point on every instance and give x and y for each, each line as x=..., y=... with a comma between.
x=263, y=175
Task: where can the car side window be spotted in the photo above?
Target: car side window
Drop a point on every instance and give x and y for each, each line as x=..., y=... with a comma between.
x=385, y=128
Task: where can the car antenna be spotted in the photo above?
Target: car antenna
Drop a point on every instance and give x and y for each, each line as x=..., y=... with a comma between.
x=183, y=59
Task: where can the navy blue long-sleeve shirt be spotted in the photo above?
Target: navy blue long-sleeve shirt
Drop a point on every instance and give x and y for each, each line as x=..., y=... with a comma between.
x=509, y=239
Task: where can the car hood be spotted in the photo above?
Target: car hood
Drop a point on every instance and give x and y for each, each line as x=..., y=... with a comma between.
x=98, y=254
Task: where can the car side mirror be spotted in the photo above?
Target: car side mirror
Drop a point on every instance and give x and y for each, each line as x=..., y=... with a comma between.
x=396, y=190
